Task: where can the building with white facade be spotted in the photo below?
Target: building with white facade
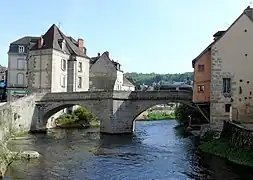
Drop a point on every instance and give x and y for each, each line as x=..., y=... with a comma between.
x=106, y=74
x=17, y=65
x=50, y=63
x=58, y=63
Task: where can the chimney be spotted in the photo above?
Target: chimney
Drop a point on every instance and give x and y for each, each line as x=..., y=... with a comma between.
x=218, y=34
x=80, y=44
x=107, y=53
x=98, y=54
x=40, y=42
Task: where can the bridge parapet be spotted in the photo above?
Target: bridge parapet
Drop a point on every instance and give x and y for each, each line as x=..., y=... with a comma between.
x=120, y=95
x=76, y=96
x=153, y=95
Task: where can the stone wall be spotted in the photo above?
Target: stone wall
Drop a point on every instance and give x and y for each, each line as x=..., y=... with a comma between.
x=238, y=135
x=15, y=117
x=218, y=99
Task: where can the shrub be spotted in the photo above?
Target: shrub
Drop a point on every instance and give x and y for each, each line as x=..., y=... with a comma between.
x=66, y=119
x=183, y=111
x=83, y=114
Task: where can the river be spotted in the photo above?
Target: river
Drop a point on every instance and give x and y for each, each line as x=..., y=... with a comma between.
x=156, y=151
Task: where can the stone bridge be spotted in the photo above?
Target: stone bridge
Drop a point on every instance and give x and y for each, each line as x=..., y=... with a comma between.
x=116, y=110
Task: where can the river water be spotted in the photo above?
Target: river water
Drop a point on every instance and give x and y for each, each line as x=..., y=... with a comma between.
x=156, y=151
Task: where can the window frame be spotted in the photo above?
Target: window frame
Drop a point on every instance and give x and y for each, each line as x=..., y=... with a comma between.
x=23, y=63
x=63, y=81
x=23, y=79
x=80, y=79
x=21, y=49
x=226, y=85
x=201, y=67
x=201, y=88
x=63, y=64
x=80, y=67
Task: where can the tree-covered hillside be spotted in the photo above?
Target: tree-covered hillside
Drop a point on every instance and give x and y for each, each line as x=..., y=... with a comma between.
x=140, y=78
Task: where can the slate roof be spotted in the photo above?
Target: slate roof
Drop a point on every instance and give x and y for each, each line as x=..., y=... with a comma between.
x=93, y=60
x=126, y=82
x=52, y=39
x=25, y=40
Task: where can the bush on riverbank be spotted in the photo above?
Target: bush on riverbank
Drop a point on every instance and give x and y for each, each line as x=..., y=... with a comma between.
x=223, y=148
x=160, y=116
x=80, y=117
x=182, y=113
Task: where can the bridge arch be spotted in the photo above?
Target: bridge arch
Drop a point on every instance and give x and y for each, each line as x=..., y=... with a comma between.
x=51, y=109
x=130, y=110
x=116, y=110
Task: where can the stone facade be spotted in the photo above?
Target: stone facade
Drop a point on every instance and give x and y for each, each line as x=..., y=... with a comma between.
x=238, y=135
x=106, y=74
x=232, y=59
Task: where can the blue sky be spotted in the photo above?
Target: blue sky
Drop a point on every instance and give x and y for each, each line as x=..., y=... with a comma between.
x=161, y=36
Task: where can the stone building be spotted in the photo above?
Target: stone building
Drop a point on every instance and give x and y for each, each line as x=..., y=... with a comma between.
x=3, y=73
x=106, y=74
x=50, y=63
x=223, y=73
x=17, y=65
x=58, y=63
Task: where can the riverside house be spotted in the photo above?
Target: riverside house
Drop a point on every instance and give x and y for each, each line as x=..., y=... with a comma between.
x=223, y=77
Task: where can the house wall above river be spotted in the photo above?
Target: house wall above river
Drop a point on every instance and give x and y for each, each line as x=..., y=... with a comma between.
x=232, y=76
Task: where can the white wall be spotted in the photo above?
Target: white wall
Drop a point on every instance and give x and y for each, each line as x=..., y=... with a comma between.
x=14, y=70
x=84, y=74
x=57, y=71
x=119, y=81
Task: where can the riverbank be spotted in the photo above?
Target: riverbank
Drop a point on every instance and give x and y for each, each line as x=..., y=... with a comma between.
x=225, y=149
x=159, y=116
x=234, y=144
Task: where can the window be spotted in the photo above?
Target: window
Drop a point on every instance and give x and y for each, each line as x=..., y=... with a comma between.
x=63, y=81
x=226, y=85
x=201, y=88
x=20, y=78
x=79, y=82
x=63, y=64
x=21, y=64
x=21, y=49
x=201, y=68
x=80, y=67
x=227, y=107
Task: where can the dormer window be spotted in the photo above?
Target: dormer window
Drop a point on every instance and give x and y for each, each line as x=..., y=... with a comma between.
x=21, y=49
x=63, y=46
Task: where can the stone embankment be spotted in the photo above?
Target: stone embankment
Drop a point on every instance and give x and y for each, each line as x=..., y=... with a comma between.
x=15, y=118
x=238, y=135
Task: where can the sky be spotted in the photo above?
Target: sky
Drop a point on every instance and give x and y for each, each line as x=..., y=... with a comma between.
x=145, y=36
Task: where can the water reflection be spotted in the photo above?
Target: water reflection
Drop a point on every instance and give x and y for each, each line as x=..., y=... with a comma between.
x=155, y=151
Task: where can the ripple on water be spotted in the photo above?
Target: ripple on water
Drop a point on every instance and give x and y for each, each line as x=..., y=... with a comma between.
x=154, y=151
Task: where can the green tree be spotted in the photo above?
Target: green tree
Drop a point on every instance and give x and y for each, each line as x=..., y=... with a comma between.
x=83, y=114
x=149, y=79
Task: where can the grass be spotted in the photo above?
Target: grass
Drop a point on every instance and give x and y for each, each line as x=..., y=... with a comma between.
x=160, y=116
x=223, y=148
